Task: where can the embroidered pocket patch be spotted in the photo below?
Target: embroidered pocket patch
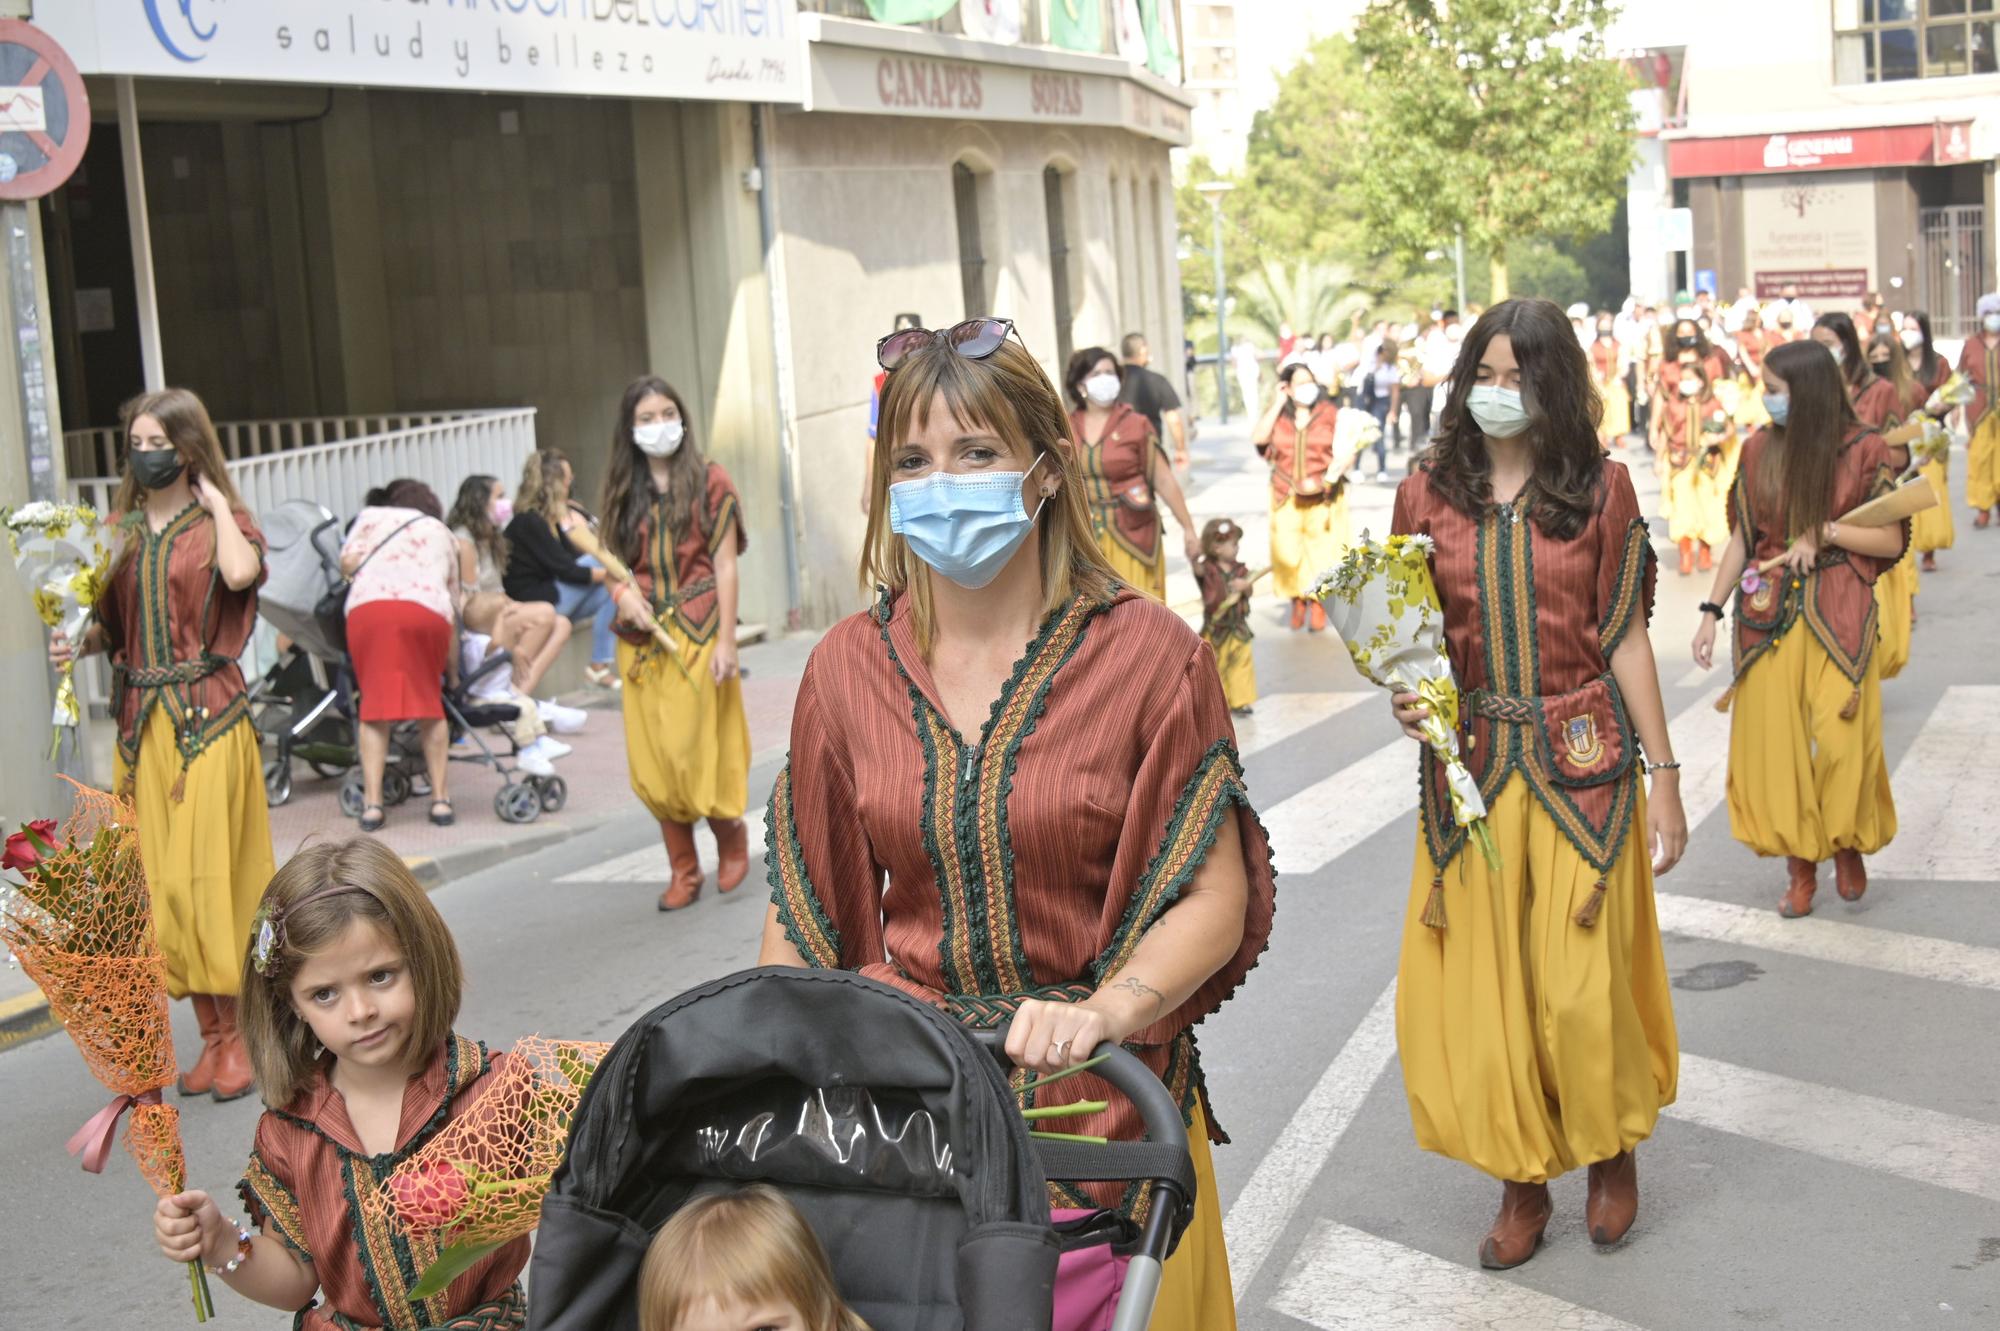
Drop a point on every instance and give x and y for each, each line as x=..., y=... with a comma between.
x=1583, y=747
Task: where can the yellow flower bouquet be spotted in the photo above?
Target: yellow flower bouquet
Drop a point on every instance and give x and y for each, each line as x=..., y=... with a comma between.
x=64, y=555
x=1382, y=602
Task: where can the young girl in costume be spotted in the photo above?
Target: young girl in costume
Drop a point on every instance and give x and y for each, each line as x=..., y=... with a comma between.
x=1310, y=527
x=1806, y=775
x=1225, y=612
x=1694, y=452
x=740, y=1259
x=1931, y=530
x=1979, y=361
x=1607, y=372
x=349, y=994
x=1532, y=1009
x=179, y=610
x=670, y=514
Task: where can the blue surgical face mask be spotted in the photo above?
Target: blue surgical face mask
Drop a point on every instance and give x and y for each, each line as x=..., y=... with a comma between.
x=966, y=526
x=1497, y=410
x=1779, y=406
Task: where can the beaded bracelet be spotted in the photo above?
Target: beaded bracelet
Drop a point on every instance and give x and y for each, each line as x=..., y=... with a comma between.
x=242, y=1254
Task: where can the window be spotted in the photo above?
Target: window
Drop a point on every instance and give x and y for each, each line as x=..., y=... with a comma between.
x=1054, y=188
x=1886, y=41
x=971, y=250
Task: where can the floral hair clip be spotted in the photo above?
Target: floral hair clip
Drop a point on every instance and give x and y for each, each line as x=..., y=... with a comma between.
x=267, y=932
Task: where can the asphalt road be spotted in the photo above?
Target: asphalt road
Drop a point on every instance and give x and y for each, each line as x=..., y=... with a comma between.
x=1833, y=1162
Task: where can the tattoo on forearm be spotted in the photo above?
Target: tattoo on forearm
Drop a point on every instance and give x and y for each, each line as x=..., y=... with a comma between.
x=1138, y=988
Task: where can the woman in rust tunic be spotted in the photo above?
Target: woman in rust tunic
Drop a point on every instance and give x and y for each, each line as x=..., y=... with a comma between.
x=1310, y=529
x=1532, y=1010
x=179, y=610
x=1807, y=778
x=1013, y=788
x=1122, y=475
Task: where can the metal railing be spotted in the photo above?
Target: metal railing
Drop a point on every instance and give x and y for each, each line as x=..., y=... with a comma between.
x=441, y=454
x=95, y=452
x=1952, y=266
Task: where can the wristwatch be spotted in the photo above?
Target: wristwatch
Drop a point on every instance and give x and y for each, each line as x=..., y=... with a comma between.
x=1711, y=608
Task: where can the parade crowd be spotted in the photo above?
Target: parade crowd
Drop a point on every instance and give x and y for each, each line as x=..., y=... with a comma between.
x=1109, y=881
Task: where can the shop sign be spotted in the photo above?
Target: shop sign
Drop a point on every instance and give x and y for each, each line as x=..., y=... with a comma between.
x=1815, y=231
x=733, y=50
x=1813, y=284
x=1848, y=149
x=862, y=79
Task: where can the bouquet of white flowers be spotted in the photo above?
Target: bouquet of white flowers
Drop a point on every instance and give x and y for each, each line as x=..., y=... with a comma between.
x=1384, y=605
x=64, y=555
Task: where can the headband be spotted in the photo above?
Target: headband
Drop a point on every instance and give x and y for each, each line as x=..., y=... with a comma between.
x=268, y=936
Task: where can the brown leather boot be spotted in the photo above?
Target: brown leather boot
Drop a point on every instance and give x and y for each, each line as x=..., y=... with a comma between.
x=1317, y=623
x=1850, y=875
x=732, y=845
x=1298, y=613
x=1799, y=891
x=1517, y=1230
x=685, y=885
x=1687, y=555
x=200, y=1079
x=1613, y=1203
x=233, y=1074
x=1706, y=559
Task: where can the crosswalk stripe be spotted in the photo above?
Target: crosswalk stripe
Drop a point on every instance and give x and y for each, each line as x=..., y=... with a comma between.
x=1332, y=816
x=1701, y=744
x=1944, y=789
x=1279, y=716
x=1345, y=1277
x=648, y=864
x=1925, y=1145
x=1268, y=1201
x=1914, y=955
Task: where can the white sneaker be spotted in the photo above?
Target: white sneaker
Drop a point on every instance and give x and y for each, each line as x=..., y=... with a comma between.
x=533, y=763
x=1382, y=474
x=562, y=720
x=551, y=748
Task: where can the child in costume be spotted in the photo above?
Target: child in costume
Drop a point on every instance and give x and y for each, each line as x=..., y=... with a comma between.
x=1225, y=612
x=737, y=1259
x=349, y=994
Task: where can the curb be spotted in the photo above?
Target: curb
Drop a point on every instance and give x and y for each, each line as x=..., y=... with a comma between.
x=26, y=1018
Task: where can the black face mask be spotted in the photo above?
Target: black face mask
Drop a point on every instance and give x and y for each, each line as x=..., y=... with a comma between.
x=155, y=468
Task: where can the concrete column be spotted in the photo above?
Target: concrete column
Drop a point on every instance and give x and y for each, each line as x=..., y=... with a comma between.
x=708, y=322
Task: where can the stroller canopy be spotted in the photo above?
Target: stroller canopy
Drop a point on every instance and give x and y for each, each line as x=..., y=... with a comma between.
x=892, y=1131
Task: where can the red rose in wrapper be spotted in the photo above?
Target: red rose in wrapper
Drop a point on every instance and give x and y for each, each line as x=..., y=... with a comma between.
x=432, y=1195
x=24, y=848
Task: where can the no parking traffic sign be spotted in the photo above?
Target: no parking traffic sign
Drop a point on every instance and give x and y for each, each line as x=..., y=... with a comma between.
x=44, y=112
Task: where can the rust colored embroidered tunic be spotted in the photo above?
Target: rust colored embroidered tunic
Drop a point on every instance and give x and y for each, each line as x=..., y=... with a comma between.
x=1118, y=481
x=308, y=1166
x=174, y=630
x=1980, y=364
x=1877, y=405
x=1530, y=623
x=1026, y=861
x=1837, y=598
x=678, y=578
x=1300, y=461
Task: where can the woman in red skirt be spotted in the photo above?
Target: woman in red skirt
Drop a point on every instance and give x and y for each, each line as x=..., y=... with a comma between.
x=401, y=612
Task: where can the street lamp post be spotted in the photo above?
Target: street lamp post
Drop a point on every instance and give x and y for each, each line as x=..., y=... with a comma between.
x=1214, y=190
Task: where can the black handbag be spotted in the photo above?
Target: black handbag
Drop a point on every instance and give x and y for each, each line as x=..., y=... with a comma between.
x=330, y=611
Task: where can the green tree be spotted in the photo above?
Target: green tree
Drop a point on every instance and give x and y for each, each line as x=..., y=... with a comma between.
x=1505, y=117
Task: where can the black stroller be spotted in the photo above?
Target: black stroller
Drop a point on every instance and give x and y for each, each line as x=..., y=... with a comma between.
x=887, y=1124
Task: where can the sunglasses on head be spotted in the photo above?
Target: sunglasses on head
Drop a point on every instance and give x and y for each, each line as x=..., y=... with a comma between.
x=975, y=339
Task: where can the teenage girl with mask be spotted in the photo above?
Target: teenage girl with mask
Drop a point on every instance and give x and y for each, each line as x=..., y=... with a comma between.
x=1979, y=362
x=1694, y=452
x=1896, y=590
x=1123, y=475
x=671, y=515
x=179, y=610
x=1532, y=1009
x=1874, y=397
x=1932, y=529
x=1309, y=524
x=1807, y=778
x=1013, y=788
x=1607, y=372
x=1752, y=341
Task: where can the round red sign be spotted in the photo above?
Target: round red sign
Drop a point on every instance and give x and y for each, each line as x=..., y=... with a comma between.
x=44, y=112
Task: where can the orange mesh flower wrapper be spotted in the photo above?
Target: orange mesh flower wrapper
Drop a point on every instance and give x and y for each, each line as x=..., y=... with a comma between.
x=480, y=1182
x=81, y=925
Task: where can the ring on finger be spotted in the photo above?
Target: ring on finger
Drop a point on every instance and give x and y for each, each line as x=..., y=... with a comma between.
x=1059, y=1051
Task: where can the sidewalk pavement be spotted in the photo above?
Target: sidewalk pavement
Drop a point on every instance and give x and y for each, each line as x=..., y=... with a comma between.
x=599, y=790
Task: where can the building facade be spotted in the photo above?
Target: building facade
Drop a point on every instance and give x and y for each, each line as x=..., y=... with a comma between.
x=1838, y=146
x=1236, y=50
x=340, y=213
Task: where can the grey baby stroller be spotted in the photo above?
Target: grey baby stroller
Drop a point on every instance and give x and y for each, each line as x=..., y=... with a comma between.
x=888, y=1125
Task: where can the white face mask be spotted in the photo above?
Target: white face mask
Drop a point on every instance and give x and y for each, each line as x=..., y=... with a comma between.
x=658, y=439
x=1913, y=339
x=1305, y=394
x=1991, y=323
x=1101, y=389
x=1690, y=387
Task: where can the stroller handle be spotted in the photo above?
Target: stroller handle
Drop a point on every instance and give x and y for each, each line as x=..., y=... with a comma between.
x=1128, y=1076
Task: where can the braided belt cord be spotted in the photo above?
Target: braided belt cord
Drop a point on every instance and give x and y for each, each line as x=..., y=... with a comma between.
x=1505, y=707
x=986, y=1011
x=180, y=672
x=681, y=596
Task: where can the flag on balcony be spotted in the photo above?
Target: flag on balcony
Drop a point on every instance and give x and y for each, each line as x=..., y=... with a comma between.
x=908, y=11
x=991, y=20
x=1077, y=25
x=1163, y=56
